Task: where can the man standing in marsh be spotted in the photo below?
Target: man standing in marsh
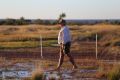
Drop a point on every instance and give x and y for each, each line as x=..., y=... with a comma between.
x=64, y=40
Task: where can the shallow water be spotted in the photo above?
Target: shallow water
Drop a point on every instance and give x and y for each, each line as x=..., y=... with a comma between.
x=81, y=74
x=23, y=70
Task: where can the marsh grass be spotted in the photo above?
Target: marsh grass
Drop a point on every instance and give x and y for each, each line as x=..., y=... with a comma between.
x=26, y=44
x=29, y=35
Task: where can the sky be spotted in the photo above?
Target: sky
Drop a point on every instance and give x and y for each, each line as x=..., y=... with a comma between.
x=50, y=9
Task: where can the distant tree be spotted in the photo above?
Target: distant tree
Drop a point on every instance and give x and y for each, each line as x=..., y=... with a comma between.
x=2, y=22
x=22, y=18
x=105, y=22
x=54, y=22
x=9, y=21
x=117, y=22
x=38, y=21
x=46, y=22
x=21, y=21
x=61, y=16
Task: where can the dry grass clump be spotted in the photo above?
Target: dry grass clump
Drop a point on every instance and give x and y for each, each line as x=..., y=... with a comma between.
x=108, y=71
x=101, y=74
x=38, y=74
x=114, y=73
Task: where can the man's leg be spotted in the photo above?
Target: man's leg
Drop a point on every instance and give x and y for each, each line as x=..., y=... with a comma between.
x=61, y=58
x=71, y=59
x=67, y=52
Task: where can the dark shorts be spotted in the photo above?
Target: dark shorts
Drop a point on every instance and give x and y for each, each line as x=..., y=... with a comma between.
x=67, y=47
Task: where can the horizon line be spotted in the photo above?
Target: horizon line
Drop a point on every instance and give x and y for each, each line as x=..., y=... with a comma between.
x=67, y=18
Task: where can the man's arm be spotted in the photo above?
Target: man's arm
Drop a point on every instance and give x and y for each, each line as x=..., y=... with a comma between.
x=62, y=37
x=62, y=40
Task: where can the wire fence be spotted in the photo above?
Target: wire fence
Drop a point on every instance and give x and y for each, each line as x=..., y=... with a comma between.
x=82, y=49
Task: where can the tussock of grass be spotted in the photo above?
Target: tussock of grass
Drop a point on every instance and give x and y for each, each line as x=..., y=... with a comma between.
x=114, y=73
x=38, y=74
x=108, y=71
x=101, y=74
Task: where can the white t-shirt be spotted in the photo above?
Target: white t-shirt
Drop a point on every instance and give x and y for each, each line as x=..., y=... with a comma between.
x=64, y=35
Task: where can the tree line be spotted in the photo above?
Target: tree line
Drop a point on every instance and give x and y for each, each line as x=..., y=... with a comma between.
x=23, y=21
